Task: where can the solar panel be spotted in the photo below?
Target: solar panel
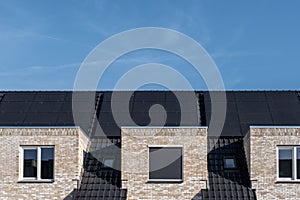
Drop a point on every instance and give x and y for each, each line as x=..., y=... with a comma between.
x=252, y=106
x=230, y=106
x=21, y=106
x=82, y=117
x=12, y=118
x=250, y=96
x=276, y=106
x=66, y=106
x=219, y=96
x=106, y=106
x=141, y=118
x=171, y=96
x=109, y=130
x=149, y=96
x=282, y=96
x=65, y=119
x=256, y=118
x=50, y=96
x=141, y=106
x=231, y=130
x=19, y=96
x=286, y=118
x=40, y=119
x=45, y=106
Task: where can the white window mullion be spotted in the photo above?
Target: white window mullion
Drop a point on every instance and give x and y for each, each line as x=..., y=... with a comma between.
x=295, y=163
x=39, y=163
x=21, y=165
x=277, y=156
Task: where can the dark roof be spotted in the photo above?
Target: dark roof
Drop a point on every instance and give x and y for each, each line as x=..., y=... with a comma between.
x=227, y=183
x=244, y=108
x=36, y=109
x=98, y=181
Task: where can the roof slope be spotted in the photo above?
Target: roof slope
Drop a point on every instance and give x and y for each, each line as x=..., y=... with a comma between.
x=227, y=183
x=245, y=108
x=98, y=181
x=55, y=109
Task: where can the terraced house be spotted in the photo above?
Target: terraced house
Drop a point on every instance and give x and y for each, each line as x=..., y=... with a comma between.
x=48, y=154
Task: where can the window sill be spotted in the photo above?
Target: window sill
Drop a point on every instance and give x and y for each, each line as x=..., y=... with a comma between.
x=166, y=181
x=288, y=181
x=36, y=181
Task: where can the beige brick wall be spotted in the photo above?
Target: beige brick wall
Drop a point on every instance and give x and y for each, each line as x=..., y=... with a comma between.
x=135, y=164
x=68, y=143
x=263, y=143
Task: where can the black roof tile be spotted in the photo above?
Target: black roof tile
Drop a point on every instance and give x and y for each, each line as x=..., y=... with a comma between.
x=98, y=181
x=227, y=183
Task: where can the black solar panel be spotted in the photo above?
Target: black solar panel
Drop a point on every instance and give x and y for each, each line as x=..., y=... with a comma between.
x=257, y=108
x=45, y=106
x=55, y=108
x=250, y=96
x=50, y=96
x=252, y=106
x=286, y=118
x=19, y=96
x=66, y=106
x=40, y=119
x=256, y=118
x=65, y=119
x=281, y=96
x=149, y=96
x=12, y=119
x=18, y=106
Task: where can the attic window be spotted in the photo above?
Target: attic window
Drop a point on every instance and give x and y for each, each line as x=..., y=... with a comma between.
x=229, y=163
x=165, y=164
x=108, y=163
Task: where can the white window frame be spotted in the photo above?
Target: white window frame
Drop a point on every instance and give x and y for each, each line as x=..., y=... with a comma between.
x=39, y=157
x=294, y=163
x=182, y=164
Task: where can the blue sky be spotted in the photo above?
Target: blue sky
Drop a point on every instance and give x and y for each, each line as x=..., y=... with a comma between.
x=255, y=44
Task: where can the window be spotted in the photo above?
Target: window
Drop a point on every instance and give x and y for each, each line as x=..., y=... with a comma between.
x=108, y=163
x=288, y=163
x=229, y=163
x=165, y=163
x=37, y=163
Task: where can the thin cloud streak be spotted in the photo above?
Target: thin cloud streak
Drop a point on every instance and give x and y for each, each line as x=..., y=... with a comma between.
x=28, y=70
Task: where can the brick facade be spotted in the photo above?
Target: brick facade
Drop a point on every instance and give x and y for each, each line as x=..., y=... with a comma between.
x=69, y=144
x=263, y=162
x=135, y=163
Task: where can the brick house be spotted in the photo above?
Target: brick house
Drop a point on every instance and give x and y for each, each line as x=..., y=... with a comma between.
x=47, y=154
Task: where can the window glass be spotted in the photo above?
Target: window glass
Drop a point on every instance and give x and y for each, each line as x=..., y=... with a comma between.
x=165, y=163
x=298, y=163
x=285, y=163
x=47, y=163
x=229, y=163
x=30, y=163
x=108, y=162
